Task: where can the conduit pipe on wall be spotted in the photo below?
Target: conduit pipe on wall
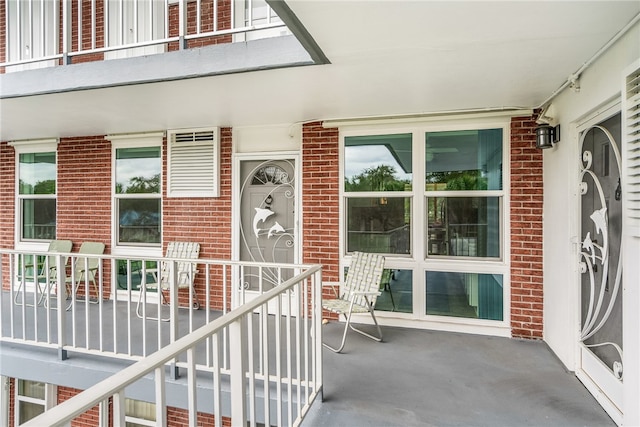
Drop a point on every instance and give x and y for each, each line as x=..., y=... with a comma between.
x=573, y=78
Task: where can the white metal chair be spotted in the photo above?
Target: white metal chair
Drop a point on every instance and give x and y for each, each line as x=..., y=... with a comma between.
x=185, y=275
x=43, y=272
x=358, y=294
x=85, y=269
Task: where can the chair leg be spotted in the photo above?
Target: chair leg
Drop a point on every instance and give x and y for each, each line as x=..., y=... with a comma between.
x=344, y=335
x=375, y=321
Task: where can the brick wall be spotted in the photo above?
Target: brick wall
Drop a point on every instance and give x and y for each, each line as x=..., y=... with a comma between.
x=7, y=205
x=207, y=23
x=7, y=192
x=84, y=193
x=90, y=418
x=320, y=200
x=180, y=418
x=203, y=220
x=526, y=231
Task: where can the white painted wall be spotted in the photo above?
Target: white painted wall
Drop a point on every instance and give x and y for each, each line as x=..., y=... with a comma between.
x=600, y=84
x=256, y=139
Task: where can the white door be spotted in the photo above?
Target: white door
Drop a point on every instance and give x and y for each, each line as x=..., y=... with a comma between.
x=600, y=347
x=268, y=225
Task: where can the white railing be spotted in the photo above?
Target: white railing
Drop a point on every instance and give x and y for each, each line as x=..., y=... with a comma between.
x=33, y=26
x=279, y=327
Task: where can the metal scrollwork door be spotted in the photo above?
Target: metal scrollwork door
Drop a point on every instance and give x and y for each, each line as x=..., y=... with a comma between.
x=267, y=223
x=600, y=259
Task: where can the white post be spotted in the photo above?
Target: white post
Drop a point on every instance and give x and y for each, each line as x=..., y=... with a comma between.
x=61, y=313
x=161, y=403
x=173, y=309
x=119, y=412
x=237, y=337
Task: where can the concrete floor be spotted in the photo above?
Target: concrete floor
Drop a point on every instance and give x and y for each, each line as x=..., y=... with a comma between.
x=429, y=378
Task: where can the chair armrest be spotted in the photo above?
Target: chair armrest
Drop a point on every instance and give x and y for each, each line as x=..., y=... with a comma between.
x=333, y=286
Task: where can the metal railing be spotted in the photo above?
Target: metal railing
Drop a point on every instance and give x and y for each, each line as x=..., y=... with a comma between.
x=262, y=360
x=33, y=28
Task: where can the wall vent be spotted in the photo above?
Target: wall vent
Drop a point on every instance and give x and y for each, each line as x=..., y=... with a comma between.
x=631, y=94
x=193, y=163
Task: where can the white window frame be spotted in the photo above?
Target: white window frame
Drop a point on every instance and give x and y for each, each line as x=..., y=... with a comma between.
x=154, y=139
x=27, y=147
x=49, y=401
x=419, y=263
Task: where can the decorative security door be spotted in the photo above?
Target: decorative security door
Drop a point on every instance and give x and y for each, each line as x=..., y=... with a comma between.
x=267, y=225
x=600, y=261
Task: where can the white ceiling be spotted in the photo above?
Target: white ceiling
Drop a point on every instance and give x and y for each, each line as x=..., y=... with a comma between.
x=387, y=58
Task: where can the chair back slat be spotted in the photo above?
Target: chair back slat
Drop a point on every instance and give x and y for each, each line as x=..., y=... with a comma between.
x=186, y=270
x=364, y=275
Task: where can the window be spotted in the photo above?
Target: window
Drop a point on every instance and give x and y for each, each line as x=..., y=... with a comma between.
x=471, y=295
x=32, y=399
x=137, y=196
x=139, y=413
x=432, y=199
x=377, y=189
x=463, y=184
x=36, y=173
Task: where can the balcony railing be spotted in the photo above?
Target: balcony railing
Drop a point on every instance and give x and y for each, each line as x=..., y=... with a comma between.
x=279, y=327
x=58, y=32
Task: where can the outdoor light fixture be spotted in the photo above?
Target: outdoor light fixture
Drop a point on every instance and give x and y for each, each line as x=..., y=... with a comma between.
x=547, y=135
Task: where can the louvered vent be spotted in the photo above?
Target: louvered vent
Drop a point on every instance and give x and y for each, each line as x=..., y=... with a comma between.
x=632, y=121
x=193, y=163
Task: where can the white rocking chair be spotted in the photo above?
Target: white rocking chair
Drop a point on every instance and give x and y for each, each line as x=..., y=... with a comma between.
x=358, y=294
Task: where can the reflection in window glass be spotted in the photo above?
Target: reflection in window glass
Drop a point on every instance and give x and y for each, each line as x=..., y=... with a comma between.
x=379, y=224
x=138, y=170
x=139, y=220
x=396, y=291
x=139, y=413
x=30, y=396
x=37, y=195
x=464, y=226
x=470, y=295
x=464, y=160
x=39, y=219
x=378, y=163
x=37, y=173
x=137, y=193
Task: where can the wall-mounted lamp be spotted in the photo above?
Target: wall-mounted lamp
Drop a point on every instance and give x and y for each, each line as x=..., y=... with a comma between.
x=547, y=135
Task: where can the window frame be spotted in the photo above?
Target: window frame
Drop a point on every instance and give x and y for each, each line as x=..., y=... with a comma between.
x=135, y=141
x=418, y=261
x=49, y=401
x=375, y=194
x=29, y=147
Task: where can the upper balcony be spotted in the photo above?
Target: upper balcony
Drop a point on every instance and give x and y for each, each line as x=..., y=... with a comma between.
x=86, y=44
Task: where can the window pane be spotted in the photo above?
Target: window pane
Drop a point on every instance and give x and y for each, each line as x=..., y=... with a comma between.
x=139, y=220
x=37, y=173
x=464, y=226
x=396, y=291
x=470, y=295
x=464, y=160
x=133, y=272
x=138, y=170
x=139, y=409
x=31, y=389
x=29, y=410
x=377, y=163
x=39, y=219
x=380, y=225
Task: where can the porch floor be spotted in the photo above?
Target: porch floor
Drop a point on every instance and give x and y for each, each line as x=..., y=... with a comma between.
x=432, y=378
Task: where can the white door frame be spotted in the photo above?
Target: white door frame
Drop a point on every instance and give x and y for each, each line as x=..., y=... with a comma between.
x=588, y=368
